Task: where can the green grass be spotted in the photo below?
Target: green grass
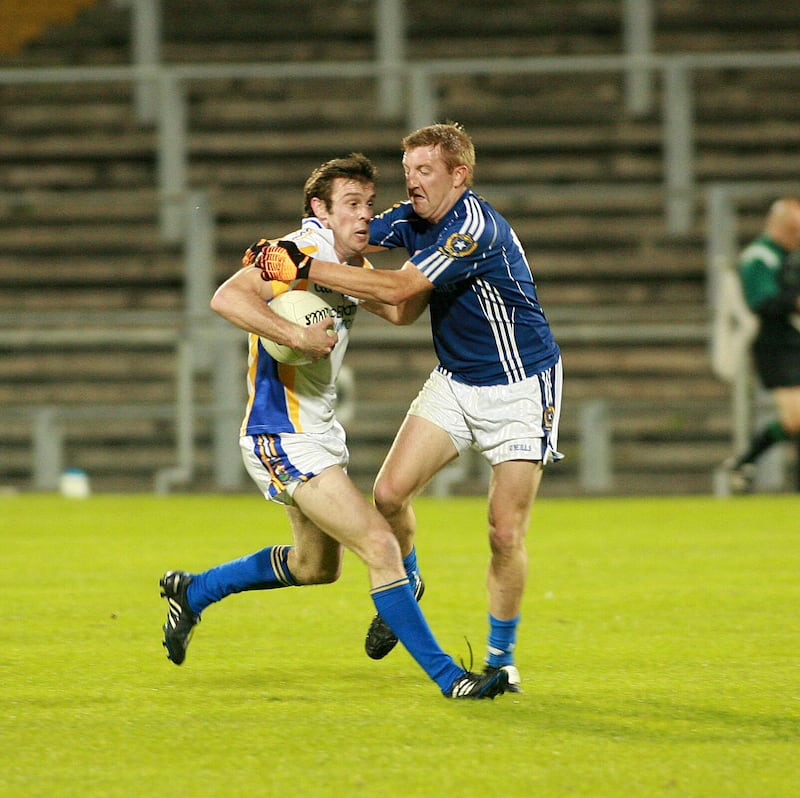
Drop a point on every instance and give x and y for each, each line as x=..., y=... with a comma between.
x=660, y=653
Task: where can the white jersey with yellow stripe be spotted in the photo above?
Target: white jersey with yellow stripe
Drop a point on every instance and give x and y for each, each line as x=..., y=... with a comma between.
x=283, y=398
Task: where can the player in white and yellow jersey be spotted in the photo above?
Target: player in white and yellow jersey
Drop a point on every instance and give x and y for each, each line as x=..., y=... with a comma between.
x=285, y=398
x=497, y=386
x=295, y=449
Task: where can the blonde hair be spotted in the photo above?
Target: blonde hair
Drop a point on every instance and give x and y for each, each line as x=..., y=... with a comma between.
x=453, y=141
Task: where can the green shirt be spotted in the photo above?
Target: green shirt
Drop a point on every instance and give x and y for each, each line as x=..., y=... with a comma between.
x=770, y=278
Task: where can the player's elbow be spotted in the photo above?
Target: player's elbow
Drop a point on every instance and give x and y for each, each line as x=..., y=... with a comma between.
x=399, y=290
x=223, y=301
x=395, y=295
x=218, y=302
x=406, y=286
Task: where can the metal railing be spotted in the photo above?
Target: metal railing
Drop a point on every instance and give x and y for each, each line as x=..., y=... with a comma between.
x=219, y=353
x=161, y=98
x=201, y=343
x=170, y=82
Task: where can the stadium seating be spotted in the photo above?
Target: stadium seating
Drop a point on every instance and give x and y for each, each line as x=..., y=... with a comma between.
x=24, y=22
x=579, y=178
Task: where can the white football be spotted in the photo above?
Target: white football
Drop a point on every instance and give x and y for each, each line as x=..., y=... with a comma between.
x=303, y=308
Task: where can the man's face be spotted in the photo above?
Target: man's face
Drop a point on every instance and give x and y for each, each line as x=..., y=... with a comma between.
x=351, y=209
x=432, y=189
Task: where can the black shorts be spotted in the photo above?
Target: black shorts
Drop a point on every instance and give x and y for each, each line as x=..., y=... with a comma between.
x=777, y=368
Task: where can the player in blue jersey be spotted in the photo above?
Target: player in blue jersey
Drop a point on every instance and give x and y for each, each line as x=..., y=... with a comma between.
x=497, y=386
x=295, y=449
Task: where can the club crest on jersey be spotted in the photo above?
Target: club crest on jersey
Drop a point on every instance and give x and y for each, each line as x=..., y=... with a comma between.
x=459, y=245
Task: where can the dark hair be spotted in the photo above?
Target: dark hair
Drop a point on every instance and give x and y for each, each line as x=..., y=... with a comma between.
x=355, y=166
x=454, y=143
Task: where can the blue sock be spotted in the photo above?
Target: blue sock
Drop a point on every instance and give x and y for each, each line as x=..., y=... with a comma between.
x=397, y=606
x=410, y=564
x=410, y=561
x=265, y=570
x=502, y=639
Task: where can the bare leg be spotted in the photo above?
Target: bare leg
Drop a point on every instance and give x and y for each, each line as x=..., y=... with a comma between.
x=420, y=449
x=512, y=489
x=788, y=402
x=333, y=503
x=315, y=558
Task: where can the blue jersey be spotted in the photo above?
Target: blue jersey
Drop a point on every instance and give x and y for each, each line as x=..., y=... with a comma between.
x=487, y=324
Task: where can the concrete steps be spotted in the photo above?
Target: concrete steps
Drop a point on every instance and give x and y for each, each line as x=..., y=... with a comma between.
x=580, y=181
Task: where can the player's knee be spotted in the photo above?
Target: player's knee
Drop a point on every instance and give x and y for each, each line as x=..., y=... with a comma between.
x=381, y=549
x=505, y=539
x=317, y=573
x=388, y=499
x=788, y=401
x=327, y=575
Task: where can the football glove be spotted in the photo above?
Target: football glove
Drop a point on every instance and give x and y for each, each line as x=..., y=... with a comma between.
x=252, y=251
x=282, y=261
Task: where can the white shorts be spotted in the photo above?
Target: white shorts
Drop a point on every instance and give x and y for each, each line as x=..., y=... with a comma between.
x=502, y=422
x=279, y=463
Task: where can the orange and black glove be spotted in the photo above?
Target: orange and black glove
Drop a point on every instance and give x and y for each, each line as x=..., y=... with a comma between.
x=249, y=257
x=281, y=261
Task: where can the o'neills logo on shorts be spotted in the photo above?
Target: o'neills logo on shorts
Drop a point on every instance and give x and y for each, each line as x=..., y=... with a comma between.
x=458, y=245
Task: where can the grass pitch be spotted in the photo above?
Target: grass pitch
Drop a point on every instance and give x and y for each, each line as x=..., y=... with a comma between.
x=659, y=651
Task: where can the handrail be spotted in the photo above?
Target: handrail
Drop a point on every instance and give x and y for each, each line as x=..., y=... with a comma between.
x=677, y=113
x=64, y=318
x=677, y=135
x=768, y=59
x=568, y=330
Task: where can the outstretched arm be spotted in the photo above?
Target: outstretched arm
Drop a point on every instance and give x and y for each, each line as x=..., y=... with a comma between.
x=390, y=286
x=405, y=313
x=283, y=261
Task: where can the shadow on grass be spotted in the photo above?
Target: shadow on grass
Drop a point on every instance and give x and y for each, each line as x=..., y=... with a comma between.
x=645, y=720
